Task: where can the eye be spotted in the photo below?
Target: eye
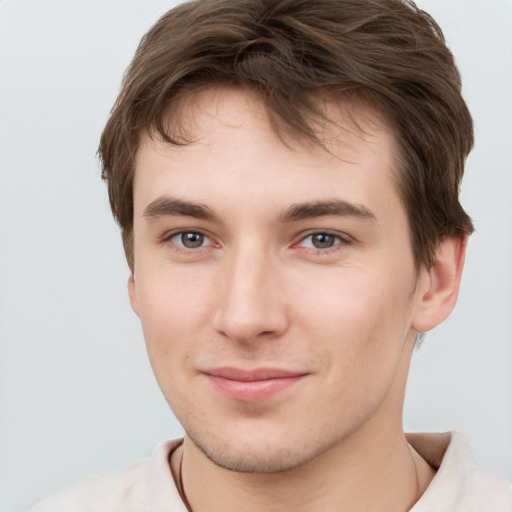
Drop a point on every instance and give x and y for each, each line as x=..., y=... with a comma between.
x=321, y=241
x=190, y=240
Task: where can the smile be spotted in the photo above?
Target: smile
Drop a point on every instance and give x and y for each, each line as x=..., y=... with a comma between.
x=251, y=385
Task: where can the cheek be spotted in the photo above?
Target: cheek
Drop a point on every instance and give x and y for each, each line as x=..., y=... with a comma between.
x=361, y=324
x=355, y=300
x=170, y=321
x=172, y=313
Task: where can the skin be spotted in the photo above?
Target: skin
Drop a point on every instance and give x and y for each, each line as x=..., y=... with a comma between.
x=256, y=293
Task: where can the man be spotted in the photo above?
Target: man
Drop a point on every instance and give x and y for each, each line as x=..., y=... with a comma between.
x=286, y=176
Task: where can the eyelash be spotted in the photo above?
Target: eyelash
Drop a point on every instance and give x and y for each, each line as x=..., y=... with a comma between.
x=169, y=238
x=339, y=241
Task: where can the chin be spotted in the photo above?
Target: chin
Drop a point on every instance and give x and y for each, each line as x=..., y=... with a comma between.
x=260, y=455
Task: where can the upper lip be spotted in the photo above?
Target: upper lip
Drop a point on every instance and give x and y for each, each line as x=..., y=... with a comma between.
x=240, y=374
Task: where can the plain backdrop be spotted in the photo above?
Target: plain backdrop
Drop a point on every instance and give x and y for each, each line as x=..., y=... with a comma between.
x=77, y=395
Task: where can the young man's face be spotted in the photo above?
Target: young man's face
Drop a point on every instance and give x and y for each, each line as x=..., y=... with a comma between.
x=276, y=285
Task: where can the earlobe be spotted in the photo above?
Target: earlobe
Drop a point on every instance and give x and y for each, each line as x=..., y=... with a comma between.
x=440, y=285
x=132, y=292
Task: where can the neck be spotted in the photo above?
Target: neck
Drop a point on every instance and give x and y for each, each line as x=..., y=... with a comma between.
x=356, y=475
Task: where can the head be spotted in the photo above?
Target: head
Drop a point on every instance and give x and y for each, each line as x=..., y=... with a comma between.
x=387, y=53
x=286, y=178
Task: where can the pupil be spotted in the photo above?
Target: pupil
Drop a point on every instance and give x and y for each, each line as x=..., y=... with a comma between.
x=323, y=241
x=192, y=240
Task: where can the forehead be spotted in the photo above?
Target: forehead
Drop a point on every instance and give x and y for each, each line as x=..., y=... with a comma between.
x=337, y=121
x=234, y=148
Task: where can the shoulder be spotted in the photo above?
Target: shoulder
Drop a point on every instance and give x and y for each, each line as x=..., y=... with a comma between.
x=491, y=489
x=480, y=486
x=459, y=484
x=114, y=491
x=121, y=490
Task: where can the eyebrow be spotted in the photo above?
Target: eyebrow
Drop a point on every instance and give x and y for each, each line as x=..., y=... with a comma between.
x=336, y=207
x=165, y=206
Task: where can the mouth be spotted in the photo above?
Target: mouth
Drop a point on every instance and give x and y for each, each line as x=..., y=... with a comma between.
x=256, y=385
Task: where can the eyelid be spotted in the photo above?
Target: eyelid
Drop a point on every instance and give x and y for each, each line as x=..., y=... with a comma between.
x=343, y=239
x=169, y=235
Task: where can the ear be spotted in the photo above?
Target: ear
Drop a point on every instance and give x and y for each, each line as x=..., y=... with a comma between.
x=132, y=292
x=438, y=286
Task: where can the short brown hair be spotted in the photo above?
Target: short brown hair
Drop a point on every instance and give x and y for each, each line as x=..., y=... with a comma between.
x=388, y=52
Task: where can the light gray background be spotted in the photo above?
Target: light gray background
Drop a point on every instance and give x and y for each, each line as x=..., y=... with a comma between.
x=77, y=395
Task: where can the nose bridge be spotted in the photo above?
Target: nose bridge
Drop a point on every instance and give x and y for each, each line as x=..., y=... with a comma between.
x=250, y=302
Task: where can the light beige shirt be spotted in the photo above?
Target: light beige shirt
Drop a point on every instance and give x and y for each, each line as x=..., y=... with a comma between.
x=148, y=486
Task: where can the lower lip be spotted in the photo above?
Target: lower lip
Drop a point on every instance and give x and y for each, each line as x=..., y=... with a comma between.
x=253, y=391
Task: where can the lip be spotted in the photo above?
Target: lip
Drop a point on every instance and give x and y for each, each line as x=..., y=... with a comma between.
x=255, y=385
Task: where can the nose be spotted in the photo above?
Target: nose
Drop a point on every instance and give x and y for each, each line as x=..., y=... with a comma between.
x=251, y=301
